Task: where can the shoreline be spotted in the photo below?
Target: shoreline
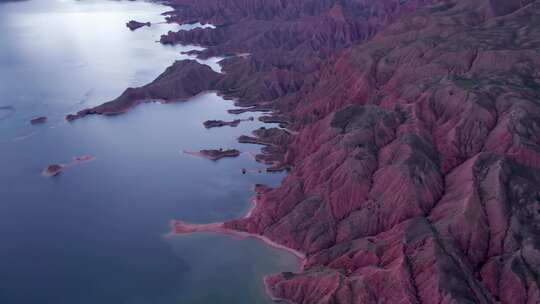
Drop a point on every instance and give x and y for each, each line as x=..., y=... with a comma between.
x=218, y=227
x=236, y=108
x=179, y=228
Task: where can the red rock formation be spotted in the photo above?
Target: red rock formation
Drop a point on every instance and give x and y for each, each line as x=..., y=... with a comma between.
x=275, y=143
x=460, y=164
x=182, y=80
x=414, y=154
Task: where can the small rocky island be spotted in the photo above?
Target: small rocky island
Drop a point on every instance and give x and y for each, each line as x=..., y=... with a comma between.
x=220, y=123
x=219, y=154
x=215, y=154
x=55, y=169
x=38, y=120
x=133, y=25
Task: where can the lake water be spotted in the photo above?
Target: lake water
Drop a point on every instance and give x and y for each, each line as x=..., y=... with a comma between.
x=95, y=233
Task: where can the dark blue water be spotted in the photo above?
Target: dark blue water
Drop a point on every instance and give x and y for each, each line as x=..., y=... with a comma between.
x=95, y=233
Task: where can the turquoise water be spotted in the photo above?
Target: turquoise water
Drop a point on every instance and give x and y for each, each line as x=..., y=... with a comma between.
x=95, y=233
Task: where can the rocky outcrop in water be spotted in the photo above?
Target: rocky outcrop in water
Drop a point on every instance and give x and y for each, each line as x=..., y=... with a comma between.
x=413, y=147
x=220, y=123
x=56, y=169
x=134, y=25
x=216, y=154
x=38, y=120
x=53, y=170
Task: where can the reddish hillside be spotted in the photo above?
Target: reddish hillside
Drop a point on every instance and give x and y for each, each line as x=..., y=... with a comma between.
x=414, y=158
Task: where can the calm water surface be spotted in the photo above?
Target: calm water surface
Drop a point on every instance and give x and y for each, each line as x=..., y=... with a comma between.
x=94, y=234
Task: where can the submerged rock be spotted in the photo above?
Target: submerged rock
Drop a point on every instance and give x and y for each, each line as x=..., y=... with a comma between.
x=83, y=158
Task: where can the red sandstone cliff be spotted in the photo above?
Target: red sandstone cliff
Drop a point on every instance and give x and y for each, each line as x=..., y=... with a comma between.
x=414, y=158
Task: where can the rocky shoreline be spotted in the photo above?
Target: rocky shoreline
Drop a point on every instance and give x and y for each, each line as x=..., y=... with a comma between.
x=179, y=227
x=413, y=147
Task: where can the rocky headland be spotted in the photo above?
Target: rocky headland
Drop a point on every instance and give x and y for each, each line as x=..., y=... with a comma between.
x=412, y=141
x=182, y=80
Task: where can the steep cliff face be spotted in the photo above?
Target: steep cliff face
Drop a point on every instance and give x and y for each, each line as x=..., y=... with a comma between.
x=413, y=147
